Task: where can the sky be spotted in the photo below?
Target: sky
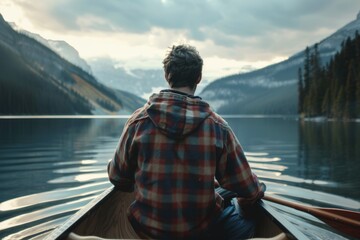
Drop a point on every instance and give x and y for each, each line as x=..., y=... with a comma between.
x=232, y=36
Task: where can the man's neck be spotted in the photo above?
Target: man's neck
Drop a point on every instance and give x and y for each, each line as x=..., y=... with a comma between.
x=186, y=90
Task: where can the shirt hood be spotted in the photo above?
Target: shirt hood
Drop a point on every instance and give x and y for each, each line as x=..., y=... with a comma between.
x=176, y=114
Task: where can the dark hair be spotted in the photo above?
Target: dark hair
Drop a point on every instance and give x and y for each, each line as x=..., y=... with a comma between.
x=182, y=66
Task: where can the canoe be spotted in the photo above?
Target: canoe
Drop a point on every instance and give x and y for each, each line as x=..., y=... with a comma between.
x=99, y=219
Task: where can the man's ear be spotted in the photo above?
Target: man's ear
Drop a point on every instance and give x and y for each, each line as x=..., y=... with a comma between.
x=167, y=76
x=199, y=78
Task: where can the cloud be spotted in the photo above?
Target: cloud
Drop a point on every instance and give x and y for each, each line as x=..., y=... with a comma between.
x=126, y=15
x=226, y=17
x=248, y=32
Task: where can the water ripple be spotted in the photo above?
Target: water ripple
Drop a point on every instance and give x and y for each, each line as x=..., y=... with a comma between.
x=49, y=196
x=37, y=230
x=47, y=179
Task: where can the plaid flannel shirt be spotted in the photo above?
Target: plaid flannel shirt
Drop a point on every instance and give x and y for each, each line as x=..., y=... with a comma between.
x=170, y=151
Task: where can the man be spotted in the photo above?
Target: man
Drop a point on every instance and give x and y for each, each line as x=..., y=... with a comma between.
x=170, y=152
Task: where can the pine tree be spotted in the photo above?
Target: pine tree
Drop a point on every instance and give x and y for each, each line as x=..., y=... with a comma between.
x=357, y=45
x=357, y=74
x=350, y=95
x=306, y=81
x=334, y=90
x=339, y=104
x=357, y=91
x=357, y=97
x=326, y=104
x=312, y=99
x=307, y=70
x=300, y=92
x=316, y=80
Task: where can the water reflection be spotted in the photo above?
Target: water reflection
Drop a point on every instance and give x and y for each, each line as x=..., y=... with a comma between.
x=49, y=168
x=330, y=152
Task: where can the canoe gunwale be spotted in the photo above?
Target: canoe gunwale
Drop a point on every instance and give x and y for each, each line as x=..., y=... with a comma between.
x=288, y=228
x=64, y=229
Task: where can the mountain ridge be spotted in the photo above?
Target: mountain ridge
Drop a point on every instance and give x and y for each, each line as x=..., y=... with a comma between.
x=44, y=67
x=140, y=82
x=247, y=91
x=61, y=47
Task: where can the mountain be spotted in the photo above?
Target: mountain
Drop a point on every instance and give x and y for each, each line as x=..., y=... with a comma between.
x=141, y=82
x=62, y=48
x=36, y=80
x=273, y=89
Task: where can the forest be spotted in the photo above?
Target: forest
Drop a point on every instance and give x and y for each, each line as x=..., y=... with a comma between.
x=25, y=91
x=331, y=90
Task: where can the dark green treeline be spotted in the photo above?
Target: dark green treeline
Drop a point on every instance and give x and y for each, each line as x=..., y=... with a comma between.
x=332, y=90
x=26, y=91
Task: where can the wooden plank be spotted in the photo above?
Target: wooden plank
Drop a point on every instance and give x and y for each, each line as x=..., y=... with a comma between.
x=110, y=219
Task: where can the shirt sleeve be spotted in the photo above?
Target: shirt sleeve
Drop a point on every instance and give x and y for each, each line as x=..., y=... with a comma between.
x=121, y=168
x=234, y=172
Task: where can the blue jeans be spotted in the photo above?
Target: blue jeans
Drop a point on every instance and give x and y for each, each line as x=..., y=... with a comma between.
x=231, y=224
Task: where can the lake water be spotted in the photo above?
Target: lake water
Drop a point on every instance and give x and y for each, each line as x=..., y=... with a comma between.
x=50, y=168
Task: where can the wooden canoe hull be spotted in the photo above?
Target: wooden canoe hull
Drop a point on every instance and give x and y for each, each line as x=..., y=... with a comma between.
x=105, y=217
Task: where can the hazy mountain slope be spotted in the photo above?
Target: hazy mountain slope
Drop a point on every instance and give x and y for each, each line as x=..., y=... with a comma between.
x=23, y=90
x=49, y=76
x=62, y=48
x=129, y=101
x=272, y=89
x=140, y=82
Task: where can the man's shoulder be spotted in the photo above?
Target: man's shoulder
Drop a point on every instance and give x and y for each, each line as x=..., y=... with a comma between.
x=138, y=115
x=217, y=119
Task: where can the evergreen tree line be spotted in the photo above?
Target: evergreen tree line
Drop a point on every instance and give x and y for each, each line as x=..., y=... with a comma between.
x=331, y=90
x=24, y=91
x=106, y=104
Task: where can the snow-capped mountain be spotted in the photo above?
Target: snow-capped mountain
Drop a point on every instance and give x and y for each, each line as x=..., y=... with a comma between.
x=37, y=80
x=69, y=53
x=273, y=89
x=62, y=48
x=141, y=82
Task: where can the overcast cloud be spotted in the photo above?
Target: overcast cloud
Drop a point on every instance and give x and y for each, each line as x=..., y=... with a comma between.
x=238, y=33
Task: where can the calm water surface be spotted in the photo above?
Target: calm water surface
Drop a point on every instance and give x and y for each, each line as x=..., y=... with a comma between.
x=50, y=168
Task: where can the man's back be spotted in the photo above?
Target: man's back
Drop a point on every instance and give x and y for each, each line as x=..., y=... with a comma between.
x=170, y=152
x=175, y=148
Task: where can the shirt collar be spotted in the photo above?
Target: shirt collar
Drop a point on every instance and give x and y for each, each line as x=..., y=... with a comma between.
x=181, y=93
